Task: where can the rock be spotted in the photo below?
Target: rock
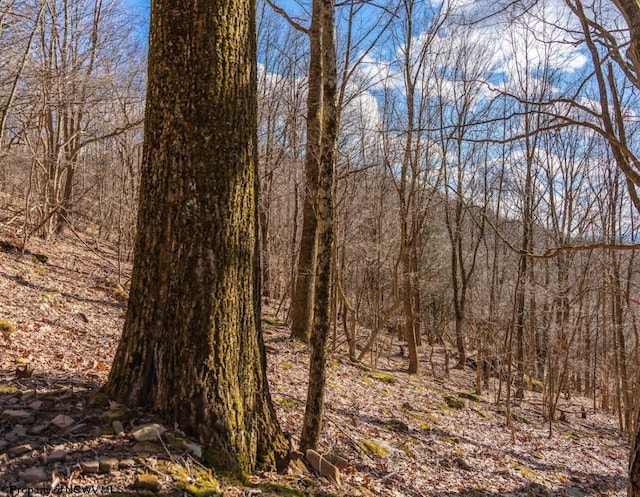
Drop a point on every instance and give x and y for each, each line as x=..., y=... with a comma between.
x=90, y=466
x=112, y=415
x=108, y=464
x=127, y=463
x=55, y=455
x=118, y=429
x=146, y=448
x=62, y=421
x=27, y=396
x=36, y=430
x=323, y=466
x=79, y=428
x=149, y=433
x=20, y=449
x=194, y=448
x=16, y=415
x=338, y=461
x=33, y=475
x=17, y=432
x=35, y=405
x=147, y=482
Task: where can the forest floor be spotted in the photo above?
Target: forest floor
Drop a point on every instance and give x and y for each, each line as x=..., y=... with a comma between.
x=397, y=431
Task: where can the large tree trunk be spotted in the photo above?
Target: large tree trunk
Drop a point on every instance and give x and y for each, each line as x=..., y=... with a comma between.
x=192, y=346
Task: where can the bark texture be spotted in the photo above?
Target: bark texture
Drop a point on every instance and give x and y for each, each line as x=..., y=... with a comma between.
x=192, y=346
x=312, y=425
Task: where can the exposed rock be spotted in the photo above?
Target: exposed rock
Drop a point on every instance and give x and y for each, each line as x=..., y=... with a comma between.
x=62, y=421
x=90, y=466
x=127, y=463
x=148, y=433
x=146, y=448
x=147, y=482
x=35, y=405
x=55, y=455
x=36, y=430
x=33, y=475
x=118, y=428
x=112, y=415
x=194, y=448
x=79, y=428
x=108, y=464
x=16, y=415
x=17, y=432
x=20, y=449
x=338, y=461
x=323, y=466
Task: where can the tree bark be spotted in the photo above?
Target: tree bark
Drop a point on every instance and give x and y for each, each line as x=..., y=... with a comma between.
x=302, y=301
x=192, y=346
x=312, y=424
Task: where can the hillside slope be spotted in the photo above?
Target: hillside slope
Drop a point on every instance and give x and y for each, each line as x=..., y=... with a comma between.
x=402, y=435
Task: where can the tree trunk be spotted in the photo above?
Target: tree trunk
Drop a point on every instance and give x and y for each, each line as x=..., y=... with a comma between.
x=312, y=424
x=192, y=347
x=302, y=301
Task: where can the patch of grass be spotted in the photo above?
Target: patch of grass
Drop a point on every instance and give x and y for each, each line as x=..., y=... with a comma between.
x=384, y=378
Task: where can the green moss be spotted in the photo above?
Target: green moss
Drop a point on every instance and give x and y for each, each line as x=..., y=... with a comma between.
x=197, y=482
x=272, y=321
x=480, y=412
x=522, y=469
x=454, y=402
x=469, y=396
x=6, y=327
x=286, y=365
x=372, y=447
x=570, y=434
x=288, y=403
x=384, y=378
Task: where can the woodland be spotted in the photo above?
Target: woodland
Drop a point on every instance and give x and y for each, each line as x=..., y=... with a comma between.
x=388, y=249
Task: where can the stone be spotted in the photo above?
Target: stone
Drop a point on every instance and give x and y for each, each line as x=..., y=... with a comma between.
x=114, y=414
x=90, y=466
x=20, y=449
x=35, y=405
x=55, y=455
x=38, y=429
x=79, y=428
x=147, y=482
x=16, y=415
x=194, y=448
x=323, y=467
x=148, y=433
x=146, y=448
x=62, y=421
x=33, y=475
x=108, y=464
x=127, y=463
x=118, y=428
x=17, y=432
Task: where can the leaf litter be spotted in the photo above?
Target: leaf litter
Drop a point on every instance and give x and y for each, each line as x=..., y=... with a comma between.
x=398, y=432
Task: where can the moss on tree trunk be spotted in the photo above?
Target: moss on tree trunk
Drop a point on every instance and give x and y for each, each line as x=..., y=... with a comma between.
x=192, y=347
